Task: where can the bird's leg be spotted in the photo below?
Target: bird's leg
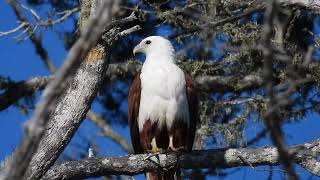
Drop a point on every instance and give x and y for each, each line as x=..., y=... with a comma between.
x=156, y=151
x=154, y=147
x=172, y=148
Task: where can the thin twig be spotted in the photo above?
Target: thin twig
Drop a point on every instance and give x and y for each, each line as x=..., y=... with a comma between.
x=13, y=30
x=50, y=22
x=34, y=14
x=35, y=40
x=46, y=23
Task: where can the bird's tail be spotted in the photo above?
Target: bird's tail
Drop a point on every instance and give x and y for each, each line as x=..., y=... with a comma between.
x=169, y=175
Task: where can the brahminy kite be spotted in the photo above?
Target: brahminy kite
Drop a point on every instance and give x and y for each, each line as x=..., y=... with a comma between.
x=162, y=104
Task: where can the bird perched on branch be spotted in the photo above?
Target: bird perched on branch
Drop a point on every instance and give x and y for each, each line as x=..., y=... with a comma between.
x=163, y=105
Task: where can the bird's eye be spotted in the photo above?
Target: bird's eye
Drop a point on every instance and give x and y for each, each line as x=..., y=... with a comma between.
x=148, y=42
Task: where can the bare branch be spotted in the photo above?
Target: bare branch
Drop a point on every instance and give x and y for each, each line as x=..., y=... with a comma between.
x=34, y=14
x=36, y=41
x=129, y=31
x=217, y=158
x=47, y=22
x=13, y=30
x=66, y=15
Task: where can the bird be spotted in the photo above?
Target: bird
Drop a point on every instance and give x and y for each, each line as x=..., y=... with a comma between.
x=162, y=104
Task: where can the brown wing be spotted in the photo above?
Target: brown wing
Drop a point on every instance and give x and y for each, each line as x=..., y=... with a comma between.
x=193, y=109
x=133, y=112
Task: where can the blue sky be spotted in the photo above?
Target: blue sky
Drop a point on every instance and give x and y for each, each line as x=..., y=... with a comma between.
x=20, y=62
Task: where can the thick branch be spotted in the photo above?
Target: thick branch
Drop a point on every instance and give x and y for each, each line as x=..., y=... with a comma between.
x=74, y=104
x=219, y=158
x=35, y=129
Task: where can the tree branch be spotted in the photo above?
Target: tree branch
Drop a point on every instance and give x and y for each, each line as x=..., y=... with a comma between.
x=35, y=128
x=311, y=5
x=23, y=89
x=123, y=70
x=211, y=25
x=229, y=84
x=118, y=71
x=101, y=123
x=36, y=41
x=271, y=117
x=50, y=22
x=77, y=99
x=217, y=158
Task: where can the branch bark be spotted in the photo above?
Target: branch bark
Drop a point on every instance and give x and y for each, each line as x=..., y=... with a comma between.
x=217, y=158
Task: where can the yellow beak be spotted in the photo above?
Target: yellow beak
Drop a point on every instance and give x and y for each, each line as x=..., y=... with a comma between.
x=137, y=49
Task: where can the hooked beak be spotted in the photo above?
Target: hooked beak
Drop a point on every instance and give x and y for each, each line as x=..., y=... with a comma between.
x=137, y=49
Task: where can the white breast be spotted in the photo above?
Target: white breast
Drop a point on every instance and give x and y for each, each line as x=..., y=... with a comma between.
x=163, y=94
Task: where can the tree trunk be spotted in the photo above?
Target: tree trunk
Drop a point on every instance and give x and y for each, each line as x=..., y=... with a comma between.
x=72, y=106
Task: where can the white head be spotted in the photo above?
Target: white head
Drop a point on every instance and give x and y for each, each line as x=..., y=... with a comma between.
x=154, y=46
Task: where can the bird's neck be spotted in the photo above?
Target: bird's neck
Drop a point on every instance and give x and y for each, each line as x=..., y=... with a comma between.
x=160, y=58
